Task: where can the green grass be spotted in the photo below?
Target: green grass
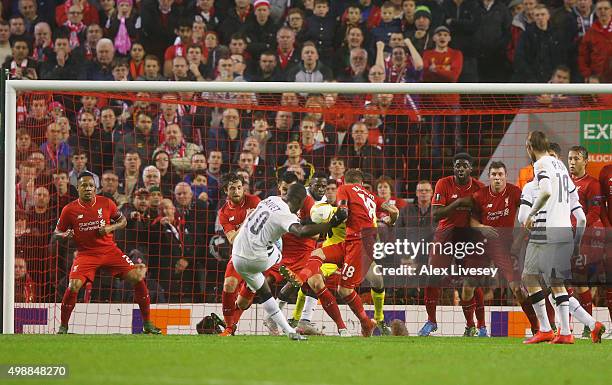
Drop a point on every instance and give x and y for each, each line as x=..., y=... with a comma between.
x=140, y=359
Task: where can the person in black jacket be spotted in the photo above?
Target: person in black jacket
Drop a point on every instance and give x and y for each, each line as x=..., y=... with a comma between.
x=260, y=31
x=493, y=38
x=463, y=18
x=62, y=63
x=540, y=50
x=159, y=20
x=235, y=20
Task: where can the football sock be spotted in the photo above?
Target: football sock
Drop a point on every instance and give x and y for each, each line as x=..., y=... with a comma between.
x=539, y=306
x=562, y=302
x=228, y=305
x=309, y=305
x=530, y=313
x=271, y=307
x=580, y=313
x=550, y=310
x=328, y=301
x=378, y=297
x=479, y=310
x=468, y=311
x=299, y=305
x=586, y=301
x=432, y=294
x=142, y=298
x=281, y=303
x=68, y=303
x=354, y=302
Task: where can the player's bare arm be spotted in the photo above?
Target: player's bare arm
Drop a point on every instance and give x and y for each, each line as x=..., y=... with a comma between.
x=118, y=225
x=312, y=229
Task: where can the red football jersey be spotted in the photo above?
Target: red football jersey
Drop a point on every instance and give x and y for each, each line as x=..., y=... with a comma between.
x=231, y=216
x=86, y=220
x=446, y=192
x=497, y=209
x=589, y=193
x=361, y=205
x=605, y=181
x=294, y=247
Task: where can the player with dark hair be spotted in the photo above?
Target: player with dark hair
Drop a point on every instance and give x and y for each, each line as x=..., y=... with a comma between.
x=589, y=194
x=231, y=216
x=88, y=220
x=254, y=250
x=494, y=209
x=452, y=223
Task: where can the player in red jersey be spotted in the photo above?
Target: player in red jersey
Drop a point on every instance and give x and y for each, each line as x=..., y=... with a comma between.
x=231, y=215
x=360, y=206
x=494, y=209
x=88, y=221
x=451, y=220
x=589, y=194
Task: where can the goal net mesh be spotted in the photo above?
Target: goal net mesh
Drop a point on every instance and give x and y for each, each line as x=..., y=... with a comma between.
x=192, y=139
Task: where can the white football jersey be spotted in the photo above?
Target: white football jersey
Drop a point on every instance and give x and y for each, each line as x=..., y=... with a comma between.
x=552, y=222
x=262, y=228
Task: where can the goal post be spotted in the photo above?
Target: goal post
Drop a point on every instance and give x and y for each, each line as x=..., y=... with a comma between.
x=507, y=98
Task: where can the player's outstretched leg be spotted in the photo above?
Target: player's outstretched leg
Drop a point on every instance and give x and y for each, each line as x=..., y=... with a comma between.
x=352, y=299
x=141, y=296
x=596, y=328
x=316, y=286
x=68, y=303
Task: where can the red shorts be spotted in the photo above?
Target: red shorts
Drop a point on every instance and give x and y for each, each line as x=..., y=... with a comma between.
x=353, y=257
x=295, y=264
x=84, y=266
x=333, y=281
x=230, y=271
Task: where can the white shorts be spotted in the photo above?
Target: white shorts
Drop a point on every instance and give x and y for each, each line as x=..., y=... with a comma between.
x=251, y=270
x=552, y=260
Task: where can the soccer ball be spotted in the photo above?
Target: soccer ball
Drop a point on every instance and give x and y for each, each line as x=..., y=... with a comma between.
x=322, y=212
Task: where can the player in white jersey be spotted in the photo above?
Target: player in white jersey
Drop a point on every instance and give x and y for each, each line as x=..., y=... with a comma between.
x=551, y=242
x=254, y=250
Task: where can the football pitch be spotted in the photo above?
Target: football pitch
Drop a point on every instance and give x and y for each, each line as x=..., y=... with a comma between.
x=145, y=359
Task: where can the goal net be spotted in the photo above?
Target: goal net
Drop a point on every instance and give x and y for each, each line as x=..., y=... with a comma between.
x=159, y=151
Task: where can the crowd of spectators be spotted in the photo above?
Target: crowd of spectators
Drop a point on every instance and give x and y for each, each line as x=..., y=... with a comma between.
x=161, y=157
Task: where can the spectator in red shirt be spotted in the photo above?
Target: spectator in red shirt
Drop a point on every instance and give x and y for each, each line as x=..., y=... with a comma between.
x=443, y=64
x=595, y=52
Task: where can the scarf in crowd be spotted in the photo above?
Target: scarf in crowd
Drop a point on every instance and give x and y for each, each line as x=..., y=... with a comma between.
x=23, y=65
x=178, y=151
x=122, y=39
x=161, y=126
x=75, y=29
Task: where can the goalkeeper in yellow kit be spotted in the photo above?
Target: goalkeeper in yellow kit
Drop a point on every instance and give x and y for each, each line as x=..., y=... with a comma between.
x=305, y=305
